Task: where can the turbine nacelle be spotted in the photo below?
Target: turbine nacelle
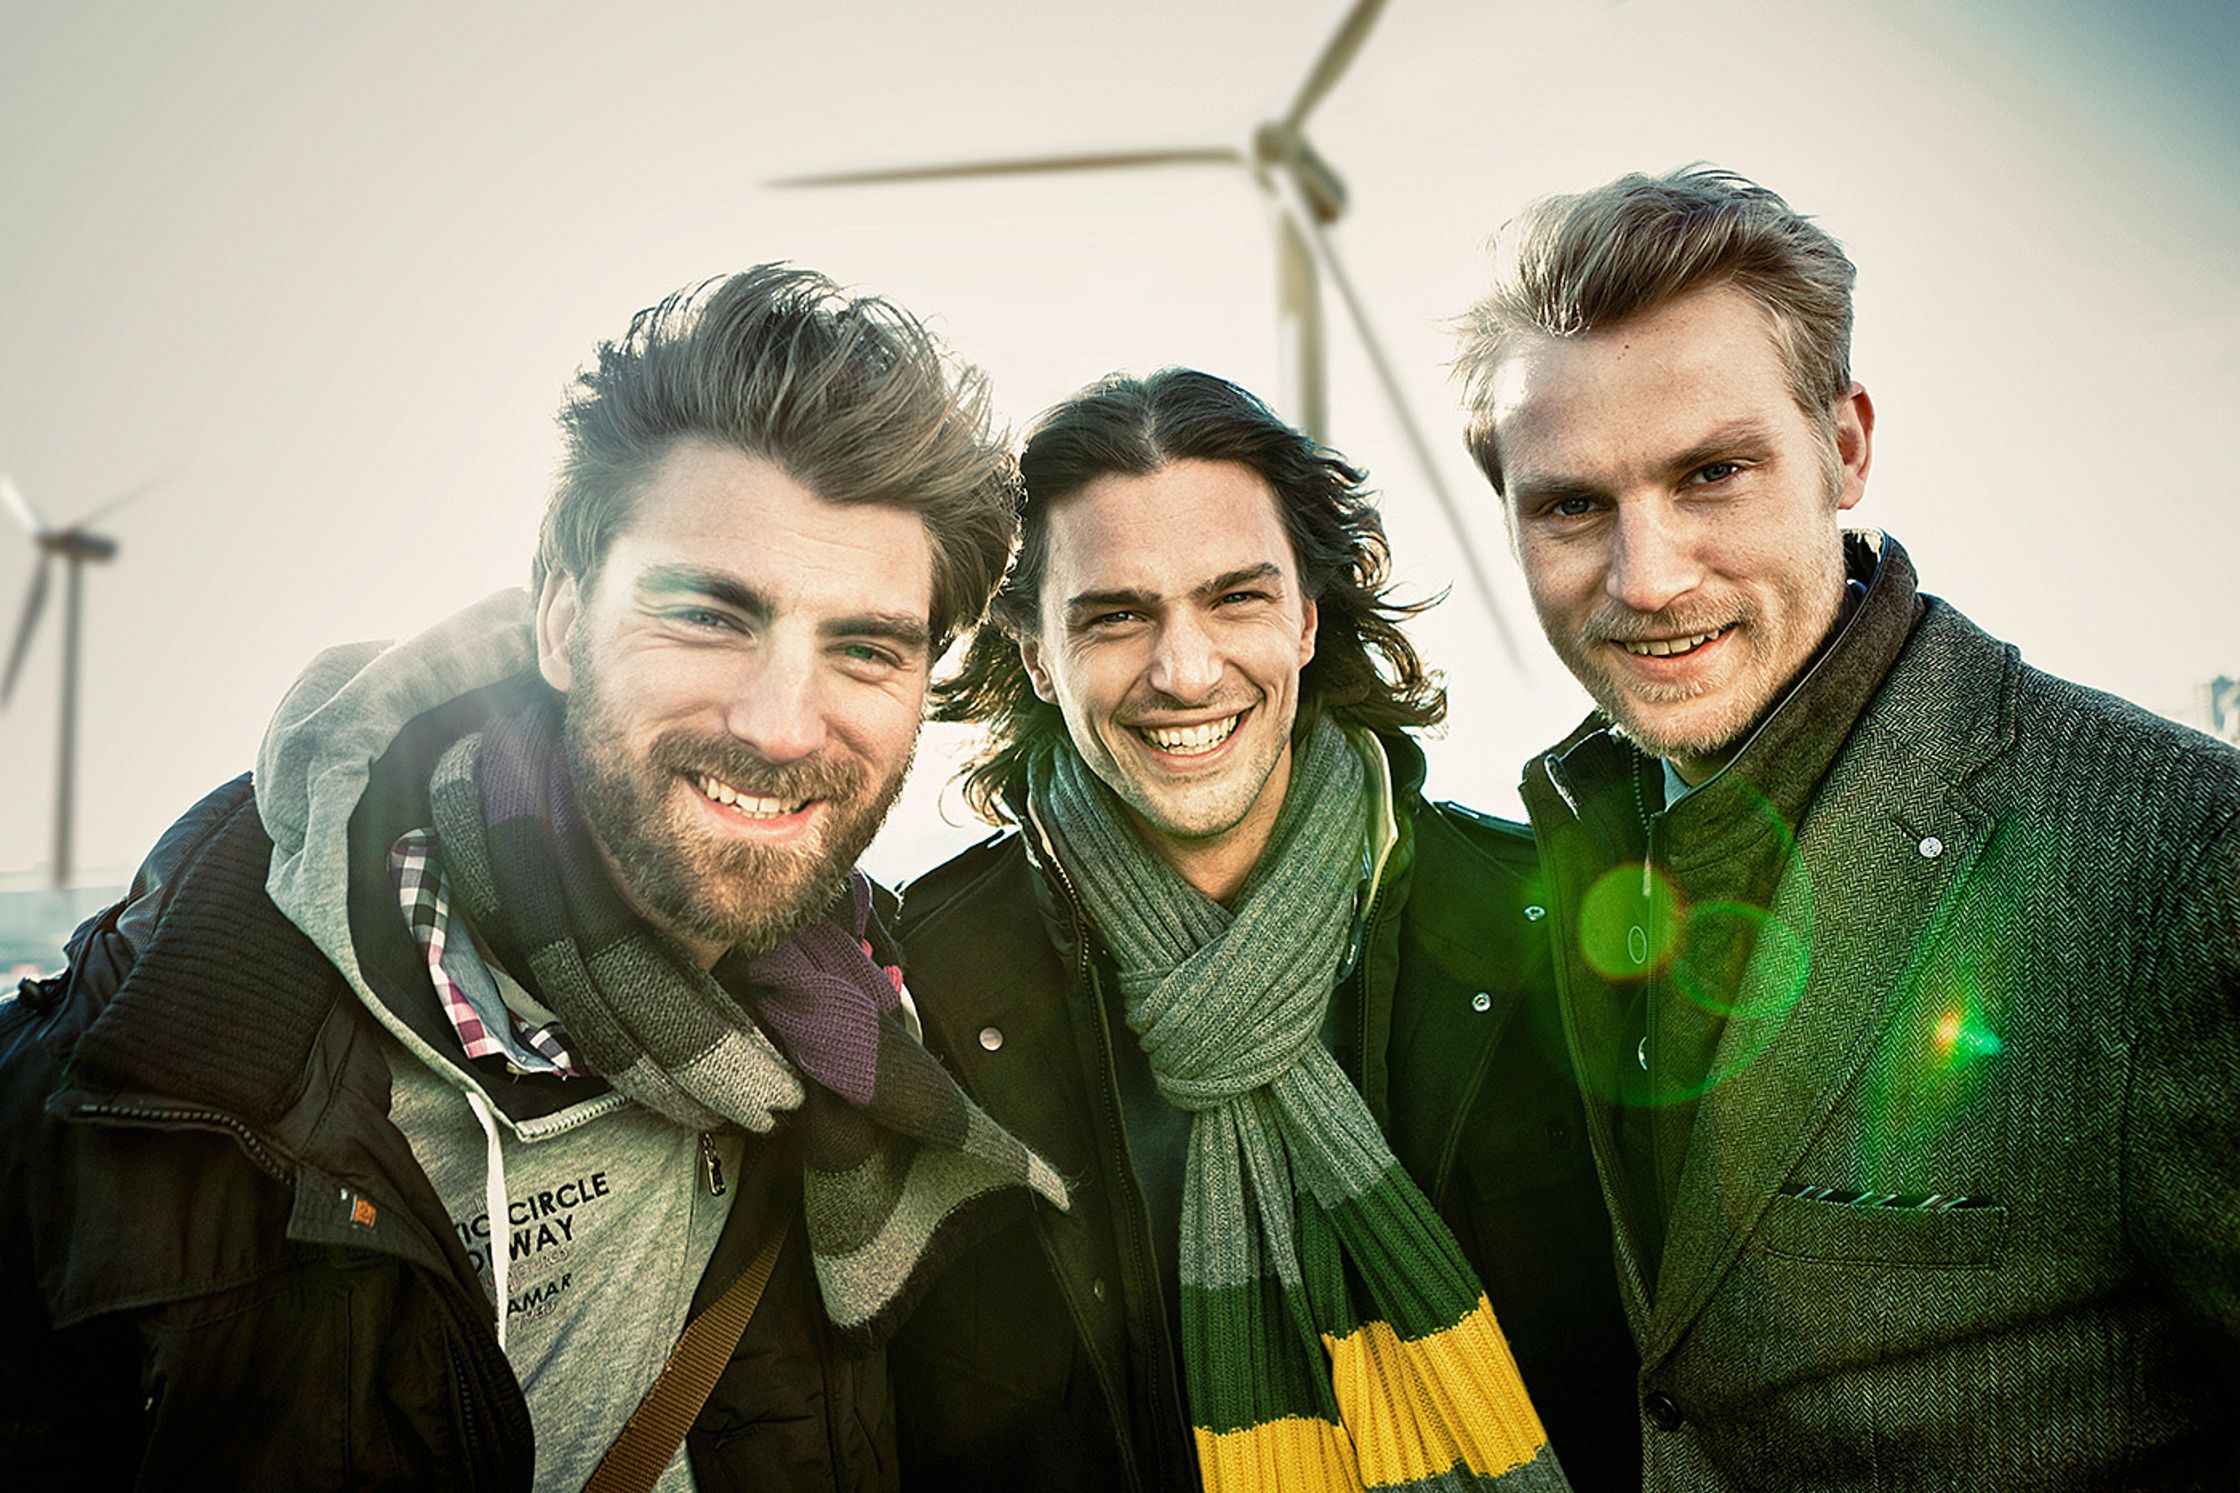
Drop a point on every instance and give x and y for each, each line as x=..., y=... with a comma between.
x=1276, y=146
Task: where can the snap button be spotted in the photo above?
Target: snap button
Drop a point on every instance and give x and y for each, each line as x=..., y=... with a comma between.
x=1096, y=1288
x=1663, y=1410
x=1932, y=847
x=1637, y=944
x=990, y=1038
x=1535, y=913
x=1481, y=1002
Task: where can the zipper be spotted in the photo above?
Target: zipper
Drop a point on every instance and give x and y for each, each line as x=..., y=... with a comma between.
x=264, y=1156
x=1361, y=933
x=1597, y=1112
x=711, y=1166
x=1649, y=824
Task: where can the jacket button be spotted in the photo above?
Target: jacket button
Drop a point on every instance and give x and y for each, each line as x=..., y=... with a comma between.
x=991, y=1038
x=1096, y=1288
x=1535, y=913
x=1663, y=1410
x=1556, y=1130
x=1481, y=1002
x=1931, y=847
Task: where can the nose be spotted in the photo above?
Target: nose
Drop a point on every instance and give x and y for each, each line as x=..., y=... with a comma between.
x=1187, y=664
x=778, y=707
x=1652, y=563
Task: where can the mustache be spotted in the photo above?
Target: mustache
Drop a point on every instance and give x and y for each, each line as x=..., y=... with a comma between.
x=1613, y=622
x=750, y=772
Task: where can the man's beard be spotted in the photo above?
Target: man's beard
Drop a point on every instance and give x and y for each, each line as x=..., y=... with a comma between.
x=742, y=896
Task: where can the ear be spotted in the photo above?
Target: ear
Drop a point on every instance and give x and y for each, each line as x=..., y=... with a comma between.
x=1306, y=635
x=1030, y=654
x=558, y=608
x=1854, y=444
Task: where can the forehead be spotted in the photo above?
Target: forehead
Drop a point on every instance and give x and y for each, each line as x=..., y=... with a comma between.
x=1569, y=406
x=1164, y=532
x=722, y=510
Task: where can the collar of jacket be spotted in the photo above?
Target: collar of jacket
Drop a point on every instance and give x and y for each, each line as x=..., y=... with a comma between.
x=1781, y=763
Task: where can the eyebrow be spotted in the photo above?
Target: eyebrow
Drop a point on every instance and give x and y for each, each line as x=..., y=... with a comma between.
x=1135, y=598
x=659, y=582
x=899, y=628
x=1714, y=446
x=1720, y=443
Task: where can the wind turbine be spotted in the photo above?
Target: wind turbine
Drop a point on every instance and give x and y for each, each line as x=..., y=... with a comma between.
x=74, y=547
x=1306, y=196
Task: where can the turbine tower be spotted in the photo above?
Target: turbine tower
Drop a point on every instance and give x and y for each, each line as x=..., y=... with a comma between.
x=1306, y=196
x=74, y=546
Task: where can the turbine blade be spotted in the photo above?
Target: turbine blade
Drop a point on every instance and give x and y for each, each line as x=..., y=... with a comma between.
x=129, y=496
x=32, y=607
x=20, y=506
x=1337, y=55
x=1023, y=166
x=1449, y=508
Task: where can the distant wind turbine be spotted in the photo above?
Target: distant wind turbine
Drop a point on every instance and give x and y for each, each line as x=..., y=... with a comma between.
x=1307, y=196
x=74, y=546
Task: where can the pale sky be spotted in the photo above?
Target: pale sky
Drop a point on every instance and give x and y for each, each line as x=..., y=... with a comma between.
x=329, y=269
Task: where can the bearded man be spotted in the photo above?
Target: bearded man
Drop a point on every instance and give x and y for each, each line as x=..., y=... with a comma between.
x=1285, y=1019
x=1904, y=979
x=526, y=1006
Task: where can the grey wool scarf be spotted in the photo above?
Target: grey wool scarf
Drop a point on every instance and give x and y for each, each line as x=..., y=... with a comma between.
x=899, y=1164
x=1333, y=1335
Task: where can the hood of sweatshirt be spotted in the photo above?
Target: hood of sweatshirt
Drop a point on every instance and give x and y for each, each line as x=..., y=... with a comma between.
x=342, y=772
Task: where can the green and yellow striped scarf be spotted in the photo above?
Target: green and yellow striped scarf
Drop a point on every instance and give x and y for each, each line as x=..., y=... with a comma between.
x=1333, y=1335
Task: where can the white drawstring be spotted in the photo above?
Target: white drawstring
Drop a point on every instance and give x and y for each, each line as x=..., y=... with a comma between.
x=494, y=1189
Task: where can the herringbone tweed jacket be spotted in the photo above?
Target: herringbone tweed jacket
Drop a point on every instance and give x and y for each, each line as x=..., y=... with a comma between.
x=2021, y=900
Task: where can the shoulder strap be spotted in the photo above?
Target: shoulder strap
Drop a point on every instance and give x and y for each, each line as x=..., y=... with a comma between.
x=657, y=1427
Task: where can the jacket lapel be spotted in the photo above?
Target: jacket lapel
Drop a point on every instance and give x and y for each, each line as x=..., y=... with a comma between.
x=1888, y=841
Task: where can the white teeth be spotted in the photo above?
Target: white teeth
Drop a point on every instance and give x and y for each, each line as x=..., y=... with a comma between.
x=1667, y=647
x=751, y=805
x=1189, y=741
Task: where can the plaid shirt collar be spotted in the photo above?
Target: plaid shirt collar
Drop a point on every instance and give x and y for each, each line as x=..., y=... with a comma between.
x=493, y=1015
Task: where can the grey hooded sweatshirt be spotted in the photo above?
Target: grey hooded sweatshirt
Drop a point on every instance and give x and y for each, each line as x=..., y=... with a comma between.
x=590, y=1217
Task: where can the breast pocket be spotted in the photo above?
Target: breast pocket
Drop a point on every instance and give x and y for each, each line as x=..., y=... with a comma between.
x=1883, y=1236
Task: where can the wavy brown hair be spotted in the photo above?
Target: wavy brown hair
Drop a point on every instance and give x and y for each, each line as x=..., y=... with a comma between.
x=1364, y=671
x=848, y=395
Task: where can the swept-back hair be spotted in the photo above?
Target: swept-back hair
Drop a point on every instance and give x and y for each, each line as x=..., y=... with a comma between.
x=1569, y=265
x=1364, y=670
x=848, y=395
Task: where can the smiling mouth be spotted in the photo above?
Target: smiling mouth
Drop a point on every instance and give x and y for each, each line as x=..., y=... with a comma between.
x=1671, y=647
x=747, y=805
x=1191, y=741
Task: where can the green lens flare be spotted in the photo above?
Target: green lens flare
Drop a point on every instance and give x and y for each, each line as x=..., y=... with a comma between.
x=1629, y=923
x=1962, y=1038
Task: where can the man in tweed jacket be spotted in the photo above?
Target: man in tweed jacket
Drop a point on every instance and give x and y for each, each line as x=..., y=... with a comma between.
x=1904, y=979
